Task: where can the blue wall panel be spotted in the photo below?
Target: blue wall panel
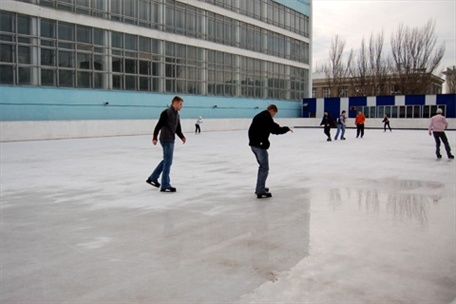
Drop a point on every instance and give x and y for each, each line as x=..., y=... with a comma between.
x=413, y=100
x=385, y=100
x=354, y=102
x=450, y=101
x=332, y=106
x=309, y=107
x=31, y=103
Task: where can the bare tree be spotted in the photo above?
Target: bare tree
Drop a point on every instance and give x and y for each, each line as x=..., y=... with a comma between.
x=359, y=72
x=337, y=71
x=379, y=66
x=415, y=57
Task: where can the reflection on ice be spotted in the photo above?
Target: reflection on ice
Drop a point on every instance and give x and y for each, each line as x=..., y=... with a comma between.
x=409, y=207
x=400, y=200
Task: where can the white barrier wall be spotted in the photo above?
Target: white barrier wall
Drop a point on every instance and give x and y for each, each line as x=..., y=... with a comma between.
x=44, y=130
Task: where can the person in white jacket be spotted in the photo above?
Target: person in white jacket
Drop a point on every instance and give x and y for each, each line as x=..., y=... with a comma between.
x=198, y=123
x=437, y=127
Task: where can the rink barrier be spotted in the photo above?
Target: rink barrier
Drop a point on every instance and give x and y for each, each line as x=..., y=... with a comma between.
x=49, y=130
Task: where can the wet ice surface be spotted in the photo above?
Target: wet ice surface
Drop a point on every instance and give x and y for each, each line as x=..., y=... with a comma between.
x=361, y=221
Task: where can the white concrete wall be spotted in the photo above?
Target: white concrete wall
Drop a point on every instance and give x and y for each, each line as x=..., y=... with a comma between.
x=44, y=130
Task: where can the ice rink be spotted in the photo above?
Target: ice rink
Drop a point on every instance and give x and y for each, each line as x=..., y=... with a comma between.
x=367, y=220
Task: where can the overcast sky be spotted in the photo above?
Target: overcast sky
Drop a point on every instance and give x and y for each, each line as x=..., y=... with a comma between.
x=354, y=19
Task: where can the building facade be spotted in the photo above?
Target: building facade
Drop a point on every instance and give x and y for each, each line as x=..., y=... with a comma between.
x=125, y=59
x=353, y=86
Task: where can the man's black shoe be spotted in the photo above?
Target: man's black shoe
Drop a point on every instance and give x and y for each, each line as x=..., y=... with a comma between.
x=169, y=189
x=264, y=195
x=439, y=156
x=153, y=183
x=451, y=156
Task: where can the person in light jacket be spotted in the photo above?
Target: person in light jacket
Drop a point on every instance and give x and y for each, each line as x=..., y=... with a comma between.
x=198, y=123
x=341, y=126
x=437, y=126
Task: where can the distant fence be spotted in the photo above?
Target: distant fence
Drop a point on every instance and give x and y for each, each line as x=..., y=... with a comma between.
x=401, y=106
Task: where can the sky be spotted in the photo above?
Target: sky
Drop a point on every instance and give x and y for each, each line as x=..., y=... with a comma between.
x=354, y=20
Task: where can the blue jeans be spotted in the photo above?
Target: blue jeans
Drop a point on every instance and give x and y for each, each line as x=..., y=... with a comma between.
x=262, y=158
x=164, y=167
x=340, y=127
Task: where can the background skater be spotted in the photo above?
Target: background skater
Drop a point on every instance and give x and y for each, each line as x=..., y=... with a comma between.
x=168, y=126
x=437, y=126
x=359, y=122
x=198, y=123
x=341, y=126
x=326, y=122
x=261, y=127
x=386, y=122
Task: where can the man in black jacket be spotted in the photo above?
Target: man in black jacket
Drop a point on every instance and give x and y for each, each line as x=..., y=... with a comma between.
x=263, y=125
x=168, y=126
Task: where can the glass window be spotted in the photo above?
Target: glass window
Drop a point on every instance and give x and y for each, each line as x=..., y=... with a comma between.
x=98, y=36
x=401, y=111
x=117, y=64
x=117, y=40
x=47, y=57
x=98, y=81
x=66, y=59
x=47, y=77
x=84, y=34
x=47, y=28
x=394, y=112
x=416, y=112
x=381, y=111
x=24, y=54
x=144, y=84
x=6, y=22
x=66, y=78
x=409, y=112
x=66, y=31
x=98, y=62
x=130, y=66
x=24, y=25
x=84, y=61
x=6, y=53
x=388, y=111
x=117, y=82
x=130, y=42
x=84, y=80
x=130, y=9
x=6, y=74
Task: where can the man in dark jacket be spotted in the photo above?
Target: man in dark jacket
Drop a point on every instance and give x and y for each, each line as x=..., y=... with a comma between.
x=168, y=126
x=263, y=125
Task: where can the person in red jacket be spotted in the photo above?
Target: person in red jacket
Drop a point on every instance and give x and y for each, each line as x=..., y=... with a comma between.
x=359, y=122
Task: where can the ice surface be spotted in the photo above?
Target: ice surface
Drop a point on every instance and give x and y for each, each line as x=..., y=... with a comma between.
x=367, y=220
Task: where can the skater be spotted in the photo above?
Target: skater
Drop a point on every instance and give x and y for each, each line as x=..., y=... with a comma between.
x=359, y=122
x=437, y=126
x=198, y=123
x=326, y=122
x=261, y=127
x=168, y=126
x=341, y=126
x=386, y=122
